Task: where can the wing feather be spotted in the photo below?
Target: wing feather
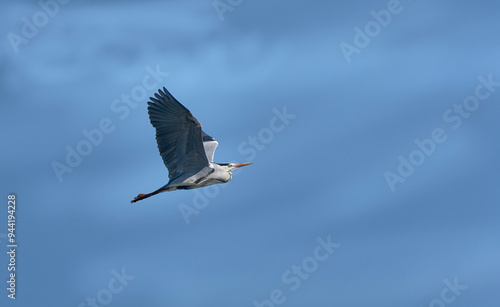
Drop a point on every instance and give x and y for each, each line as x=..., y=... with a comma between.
x=210, y=144
x=178, y=134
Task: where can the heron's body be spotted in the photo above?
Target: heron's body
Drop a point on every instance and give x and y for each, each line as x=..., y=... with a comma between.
x=187, y=151
x=209, y=175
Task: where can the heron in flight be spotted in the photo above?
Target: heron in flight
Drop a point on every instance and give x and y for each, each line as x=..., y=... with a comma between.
x=187, y=151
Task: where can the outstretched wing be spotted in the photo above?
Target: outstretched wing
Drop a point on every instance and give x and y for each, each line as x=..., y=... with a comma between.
x=178, y=135
x=210, y=144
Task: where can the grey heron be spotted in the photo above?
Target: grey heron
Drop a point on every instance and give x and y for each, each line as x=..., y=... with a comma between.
x=187, y=151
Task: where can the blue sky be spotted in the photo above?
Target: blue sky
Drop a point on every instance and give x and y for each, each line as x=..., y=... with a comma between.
x=374, y=180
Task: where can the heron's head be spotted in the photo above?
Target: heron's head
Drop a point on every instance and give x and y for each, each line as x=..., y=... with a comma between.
x=232, y=166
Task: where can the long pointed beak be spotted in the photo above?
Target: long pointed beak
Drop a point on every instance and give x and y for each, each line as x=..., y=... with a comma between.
x=238, y=165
